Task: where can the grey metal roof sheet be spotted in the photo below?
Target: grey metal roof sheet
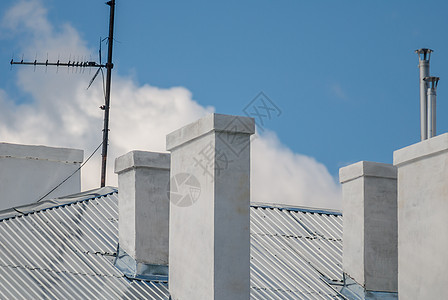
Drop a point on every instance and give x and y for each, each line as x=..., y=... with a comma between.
x=64, y=249
x=292, y=251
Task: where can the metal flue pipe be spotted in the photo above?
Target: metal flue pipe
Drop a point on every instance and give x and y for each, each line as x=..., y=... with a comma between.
x=423, y=58
x=432, y=102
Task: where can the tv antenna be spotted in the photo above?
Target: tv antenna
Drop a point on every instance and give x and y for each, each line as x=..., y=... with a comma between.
x=91, y=64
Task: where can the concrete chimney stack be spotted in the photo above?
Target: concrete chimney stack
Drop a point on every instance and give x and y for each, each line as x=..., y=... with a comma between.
x=422, y=219
x=369, y=192
x=209, y=209
x=29, y=173
x=143, y=206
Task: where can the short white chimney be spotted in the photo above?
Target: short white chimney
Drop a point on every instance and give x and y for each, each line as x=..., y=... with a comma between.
x=209, y=210
x=34, y=173
x=369, y=192
x=143, y=206
x=423, y=219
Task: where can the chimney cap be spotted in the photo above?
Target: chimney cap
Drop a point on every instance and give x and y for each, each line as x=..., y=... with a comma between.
x=423, y=53
x=432, y=79
x=142, y=159
x=212, y=122
x=423, y=50
x=367, y=168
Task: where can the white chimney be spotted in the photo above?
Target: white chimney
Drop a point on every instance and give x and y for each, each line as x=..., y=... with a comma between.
x=143, y=206
x=423, y=219
x=30, y=173
x=209, y=210
x=369, y=192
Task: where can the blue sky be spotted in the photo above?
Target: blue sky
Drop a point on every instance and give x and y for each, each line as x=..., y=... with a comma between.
x=344, y=74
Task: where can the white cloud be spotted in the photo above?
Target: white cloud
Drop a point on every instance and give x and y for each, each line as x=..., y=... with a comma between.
x=63, y=113
x=282, y=176
x=29, y=16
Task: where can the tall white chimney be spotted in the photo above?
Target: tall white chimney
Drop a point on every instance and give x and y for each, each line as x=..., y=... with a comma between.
x=34, y=173
x=209, y=209
x=143, y=207
x=369, y=192
x=422, y=219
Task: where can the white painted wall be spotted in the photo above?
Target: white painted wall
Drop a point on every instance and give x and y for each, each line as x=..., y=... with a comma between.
x=209, y=239
x=423, y=219
x=369, y=196
x=29, y=172
x=143, y=206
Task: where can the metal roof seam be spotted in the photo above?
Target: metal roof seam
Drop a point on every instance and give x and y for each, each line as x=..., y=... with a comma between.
x=58, y=272
x=298, y=209
x=298, y=237
x=301, y=223
x=310, y=220
x=276, y=290
x=54, y=201
x=282, y=235
x=12, y=275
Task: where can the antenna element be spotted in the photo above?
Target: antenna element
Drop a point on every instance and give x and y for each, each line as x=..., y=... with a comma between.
x=91, y=64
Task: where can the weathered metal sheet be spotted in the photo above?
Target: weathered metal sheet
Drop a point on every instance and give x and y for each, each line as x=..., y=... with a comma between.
x=23, y=283
x=291, y=251
x=66, y=251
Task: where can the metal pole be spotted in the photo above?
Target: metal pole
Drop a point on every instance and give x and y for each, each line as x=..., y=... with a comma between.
x=423, y=57
x=109, y=67
x=432, y=99
x=431, y=112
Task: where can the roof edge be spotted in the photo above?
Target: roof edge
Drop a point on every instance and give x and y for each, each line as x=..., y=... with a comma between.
x=297, y=208
x=26, y=209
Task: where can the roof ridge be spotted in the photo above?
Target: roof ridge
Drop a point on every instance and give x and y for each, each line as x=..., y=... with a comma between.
x=315, y=237
x=304, y=209
x=26, y=209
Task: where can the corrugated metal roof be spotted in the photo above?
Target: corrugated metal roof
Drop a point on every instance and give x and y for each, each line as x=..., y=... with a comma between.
x=65, y=249
x=292, y=250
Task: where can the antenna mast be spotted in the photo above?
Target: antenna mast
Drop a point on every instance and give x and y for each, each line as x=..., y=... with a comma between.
x=85, y=64
x=109, y=67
